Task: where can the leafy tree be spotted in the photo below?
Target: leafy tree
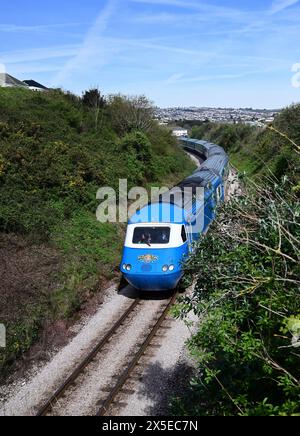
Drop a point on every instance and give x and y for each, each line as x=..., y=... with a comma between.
x=131, y=113
x=95, y=101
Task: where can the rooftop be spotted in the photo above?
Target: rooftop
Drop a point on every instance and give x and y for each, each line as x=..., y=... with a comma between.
x=34, y=84
x=8, y=80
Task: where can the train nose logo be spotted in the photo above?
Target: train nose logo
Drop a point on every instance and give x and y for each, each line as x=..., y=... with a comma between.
x=148, y=258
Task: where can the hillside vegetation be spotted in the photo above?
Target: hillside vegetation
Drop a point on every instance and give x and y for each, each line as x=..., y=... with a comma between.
x=56, y=151
x=247, y=272
x=258, y=151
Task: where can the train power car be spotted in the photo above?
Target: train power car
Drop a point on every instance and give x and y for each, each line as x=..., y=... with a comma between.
x=162, y=235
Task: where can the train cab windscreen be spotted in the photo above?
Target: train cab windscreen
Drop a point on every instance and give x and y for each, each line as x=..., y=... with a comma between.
x=151, y=235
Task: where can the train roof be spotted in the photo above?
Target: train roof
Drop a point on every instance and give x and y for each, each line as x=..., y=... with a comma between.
x=211, y=170
x=159, y=212
x=172, y=206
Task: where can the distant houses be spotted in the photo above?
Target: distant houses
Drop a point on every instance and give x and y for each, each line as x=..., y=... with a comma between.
x=8, y=81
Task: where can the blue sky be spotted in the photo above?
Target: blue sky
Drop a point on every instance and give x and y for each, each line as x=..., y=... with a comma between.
x=177, y=52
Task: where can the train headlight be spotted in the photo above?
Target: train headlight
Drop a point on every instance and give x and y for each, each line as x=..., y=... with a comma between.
x=128, y=267
x=165, y=268
x=171, y=268
x=124, y=266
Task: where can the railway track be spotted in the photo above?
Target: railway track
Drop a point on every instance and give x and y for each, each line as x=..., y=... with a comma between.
x=126, y=374
x=47, y=407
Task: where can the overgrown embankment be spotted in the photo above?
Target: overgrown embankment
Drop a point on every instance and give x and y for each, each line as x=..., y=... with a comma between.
x=259, y=150
x=247, y=291
x=56, y=151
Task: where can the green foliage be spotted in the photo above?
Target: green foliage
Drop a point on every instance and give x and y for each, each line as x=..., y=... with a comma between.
x=21, y=335
x=131, y=114
x=247, y=282
x=139, y=157
x=52, y=161
x=247, y=297
x=56, y=151
x=93, y=99
x=259, y=151
x=93, y=251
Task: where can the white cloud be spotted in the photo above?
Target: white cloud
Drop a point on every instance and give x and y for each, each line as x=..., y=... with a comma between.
x=161, y=18
x=135, y=49
x=217, y=11
x=280, y=5
x=180, y=78
x=36, y=54
x=175, y=78
x=12, y=28
x=20, y=70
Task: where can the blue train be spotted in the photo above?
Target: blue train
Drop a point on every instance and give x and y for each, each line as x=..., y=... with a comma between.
x=162, y=235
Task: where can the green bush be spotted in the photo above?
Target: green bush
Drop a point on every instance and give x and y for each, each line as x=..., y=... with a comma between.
x=247, y=297
x=93, y=251
x=52, y=161
x=247, y=288
x=259, y=150
x=56, y=151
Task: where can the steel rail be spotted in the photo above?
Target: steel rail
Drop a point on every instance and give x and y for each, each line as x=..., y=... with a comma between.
x=130, y=368
x=88, y=359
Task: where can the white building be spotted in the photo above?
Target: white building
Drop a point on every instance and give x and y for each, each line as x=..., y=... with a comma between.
x=35, y=86
x=179, y=133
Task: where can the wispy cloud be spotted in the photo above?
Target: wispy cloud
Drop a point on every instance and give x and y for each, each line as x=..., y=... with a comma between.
x=13, y=28
x=30, y=68
x=170, y=18
x=175, y=78
x=156, y=46
x=163, y=47
x=181, y=78
x=36, y=54
x=208, y=8
x=90, y=47
x=148, y=46
x=280, y=5
x=160, y=18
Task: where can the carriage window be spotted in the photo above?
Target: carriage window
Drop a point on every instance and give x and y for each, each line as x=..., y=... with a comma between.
x=183, y=234
x=151, y=235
